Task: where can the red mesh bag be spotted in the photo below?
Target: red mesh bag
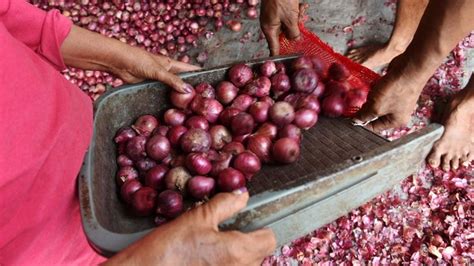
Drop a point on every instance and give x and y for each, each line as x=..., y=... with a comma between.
x=310, y=44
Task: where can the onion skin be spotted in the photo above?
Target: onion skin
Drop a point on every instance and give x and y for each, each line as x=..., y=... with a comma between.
x=248, y=163
x=124, y=134
x=145, y=164
x=333, y=106
x=226, y=116
x=175, y=133
x=169, y=204
x=174, y=117
x=305, y=118
x=182, y=100
x=260, y=146
x=155, y=177
x=319, y=66
x=305, y=80
x=268, y=130
x=128, y=189
x=267, y=99
x=268, y=68
x=280, y=83
x=176, y=178
x=201, y=187
x=259, y=111
x=336, y=88
x=241, y=138
x=143, y=201
x=197, y=163
x=319, y=90
x=258, y=87
x=230, y=179
x=220, y=136
x=210, y=109
x=126, y=173
x=226, y=92
x=243, y=102
x=221, y=163
x=197, y=121
x=240, y=74
x=286, y=150
x=280, y=67
x=206, y=90
x=161, y=130
x=145, y=124
x=195, y=140
x=178, y=161
x=338, y=72
x=291, y=131
x=309, y=102
x=234, y=148
x=136, y=148
x=123, y=160
x=303, y=62
x=158, y=147
x=282, y=113
x=242, y=124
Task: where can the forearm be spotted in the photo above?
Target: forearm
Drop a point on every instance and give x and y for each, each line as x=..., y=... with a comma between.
x=443, y=25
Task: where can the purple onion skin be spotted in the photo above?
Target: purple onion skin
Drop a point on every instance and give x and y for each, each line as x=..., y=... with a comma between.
x=280, y=83
x=136, y=148
x=155, y=177
x=201, y=187
x=144, y=201
x=124, y=134
x=240, y=74
x=169, y=204
x=128, y=189
x=158, y=147
x=126, y=173
x=230, y=179
x=196, y=140
x=123, y=160
x=268, y=68
x=305, y=80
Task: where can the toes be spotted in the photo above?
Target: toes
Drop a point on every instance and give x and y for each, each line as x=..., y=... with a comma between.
x=445, y=164
x=434, y=157
x=455, y=162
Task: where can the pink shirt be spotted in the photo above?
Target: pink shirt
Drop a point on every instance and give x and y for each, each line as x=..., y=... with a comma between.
x=45, y=129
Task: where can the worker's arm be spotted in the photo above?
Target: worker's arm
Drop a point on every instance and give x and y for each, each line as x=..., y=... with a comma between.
x=394, y=97
x=89, y=50
x=194, y=239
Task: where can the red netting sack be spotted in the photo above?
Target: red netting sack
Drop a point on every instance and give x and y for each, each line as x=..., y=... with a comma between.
x=310, y=44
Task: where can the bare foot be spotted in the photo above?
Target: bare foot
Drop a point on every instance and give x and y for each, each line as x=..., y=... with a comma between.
x=374, y=55
x=456, y=146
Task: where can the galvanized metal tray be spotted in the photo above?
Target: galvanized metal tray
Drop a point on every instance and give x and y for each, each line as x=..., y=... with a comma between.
x=340, y=168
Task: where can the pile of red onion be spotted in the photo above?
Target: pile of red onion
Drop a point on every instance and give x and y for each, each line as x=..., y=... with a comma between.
x=216, y=138
x=170, y=28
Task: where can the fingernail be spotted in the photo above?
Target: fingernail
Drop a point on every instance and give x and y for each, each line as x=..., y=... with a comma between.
x=240, y=191
x=357, y=122
x=186, y=88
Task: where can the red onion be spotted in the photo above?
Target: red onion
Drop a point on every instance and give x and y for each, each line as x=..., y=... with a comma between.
x=143, y=201
x=309, y=102
x=169, y=204
x=258, y=87
x=136, y=148
x=124, y=134
x=240, y=74
x=282, y=113
x=280, y=83
x=182, y=100
x=338, y=72
x=175, y=133
x=259, y=111
x=210, y=109
x=260, y=146
x=206, y=90
x=303, y=62
x=252, y=13
x=319, y=90
x=305, y=80
x=145, y=124
x=128, y=189
x=268, y=68
x=242, y=102
x=226, y=92
x=126, y=173
x=197, y=163
x=123, y=160
x=195, y=140
x=201, y=187
x=234, y=25
x=158, y=147
x=336, y=88
x=290, y=131
x=267, y=99
x=197, y=122
x=230, y=179
x=293, y=98
x=240, y=138
x=242, y=124
x=268, y=130
x=179, y=160
x=305, y=118
x=220, y=136
x=176, y=178
x=226, y=116
x=161, y=130
x=155, y=177
x=333, y=105
x=248, y=163
x=221, y=163
x=233, y=148
x=280, y=67
x=174, y=117
x=286, y=150
x=122, y=148
x=144, y=165
x=253, y=2
x=319, y=65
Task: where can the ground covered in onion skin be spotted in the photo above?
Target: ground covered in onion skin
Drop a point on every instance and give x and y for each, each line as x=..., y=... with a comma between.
x=428, y=219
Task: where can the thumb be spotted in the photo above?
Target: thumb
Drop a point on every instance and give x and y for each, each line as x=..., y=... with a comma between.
x=366, y=114
x=225, y=205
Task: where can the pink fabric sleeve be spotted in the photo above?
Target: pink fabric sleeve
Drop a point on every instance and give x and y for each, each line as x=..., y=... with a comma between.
x=44, y=32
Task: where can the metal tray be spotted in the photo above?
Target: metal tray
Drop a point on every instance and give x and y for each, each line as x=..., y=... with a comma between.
x=340, y=168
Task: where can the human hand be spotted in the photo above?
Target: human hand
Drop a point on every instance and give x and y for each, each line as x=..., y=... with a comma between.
x=194, y=238
x=277, y=16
